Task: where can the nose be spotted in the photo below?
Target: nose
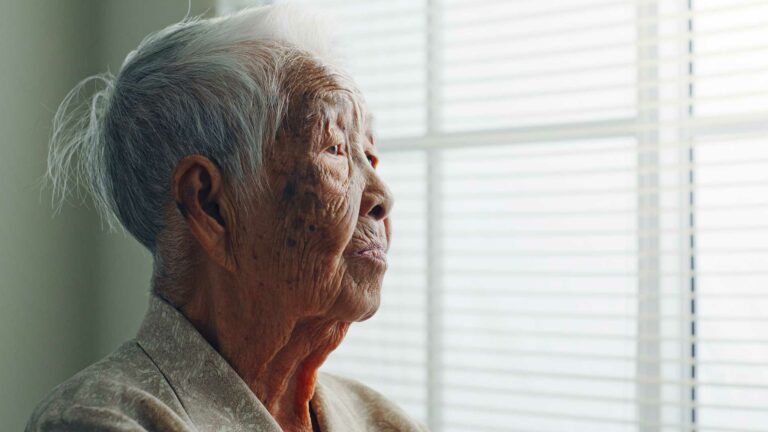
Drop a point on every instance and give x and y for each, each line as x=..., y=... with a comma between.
x=377, y=198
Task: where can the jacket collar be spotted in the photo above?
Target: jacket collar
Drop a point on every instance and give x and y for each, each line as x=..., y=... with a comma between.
x=212, y=393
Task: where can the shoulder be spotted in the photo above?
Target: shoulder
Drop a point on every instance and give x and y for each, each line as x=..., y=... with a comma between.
x=122, y=392
x=379, y=413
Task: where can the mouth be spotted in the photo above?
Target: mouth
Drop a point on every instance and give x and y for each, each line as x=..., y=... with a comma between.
x=374, y=252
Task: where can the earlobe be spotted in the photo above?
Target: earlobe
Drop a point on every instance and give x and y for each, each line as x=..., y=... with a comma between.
x=197, y=188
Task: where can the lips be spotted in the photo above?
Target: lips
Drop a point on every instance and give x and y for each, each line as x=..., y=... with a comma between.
x=374, y=251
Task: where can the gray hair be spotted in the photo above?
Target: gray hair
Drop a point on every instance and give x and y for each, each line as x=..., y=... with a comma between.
x=211, y=87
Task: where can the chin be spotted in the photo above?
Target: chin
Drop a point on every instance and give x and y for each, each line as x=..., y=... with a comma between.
x=369, y=314
x=357, y=306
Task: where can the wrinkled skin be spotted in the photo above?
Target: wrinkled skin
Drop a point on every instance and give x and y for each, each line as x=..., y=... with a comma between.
x=324, y=177
x=275, y=293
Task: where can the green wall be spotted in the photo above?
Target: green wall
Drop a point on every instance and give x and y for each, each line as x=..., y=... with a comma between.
x=126, y=267
x=47, y=309
x=69, y=293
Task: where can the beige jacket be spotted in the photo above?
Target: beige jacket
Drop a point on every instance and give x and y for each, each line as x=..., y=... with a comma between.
x=170, y=379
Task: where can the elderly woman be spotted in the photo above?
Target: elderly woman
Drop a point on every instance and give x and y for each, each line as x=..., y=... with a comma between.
x=243, y=159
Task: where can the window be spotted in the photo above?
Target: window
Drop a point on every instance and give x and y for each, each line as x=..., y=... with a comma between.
x=581, y=218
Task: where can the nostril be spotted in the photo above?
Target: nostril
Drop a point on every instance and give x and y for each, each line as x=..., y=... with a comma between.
x=377, y=212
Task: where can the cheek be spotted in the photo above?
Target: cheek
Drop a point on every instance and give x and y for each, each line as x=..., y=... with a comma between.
x=317, y=210
x=318, y=224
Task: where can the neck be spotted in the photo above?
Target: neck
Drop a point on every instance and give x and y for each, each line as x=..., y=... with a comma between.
x=274, y=349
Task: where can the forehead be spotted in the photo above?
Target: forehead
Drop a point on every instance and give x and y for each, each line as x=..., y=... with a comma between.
x=320, y=94
x=347, y=111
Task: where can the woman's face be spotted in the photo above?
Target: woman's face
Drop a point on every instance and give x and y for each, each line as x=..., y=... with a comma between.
x=318, y=240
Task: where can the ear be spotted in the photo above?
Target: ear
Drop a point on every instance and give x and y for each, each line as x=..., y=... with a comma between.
x=198, y=190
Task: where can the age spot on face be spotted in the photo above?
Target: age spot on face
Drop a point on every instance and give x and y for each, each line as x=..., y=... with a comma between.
x=289, y=191
x=311, y=202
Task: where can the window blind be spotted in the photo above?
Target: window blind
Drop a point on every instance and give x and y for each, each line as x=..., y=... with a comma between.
x=581, y=219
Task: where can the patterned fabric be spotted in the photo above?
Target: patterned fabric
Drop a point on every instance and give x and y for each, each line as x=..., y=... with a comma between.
x=170, y=379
